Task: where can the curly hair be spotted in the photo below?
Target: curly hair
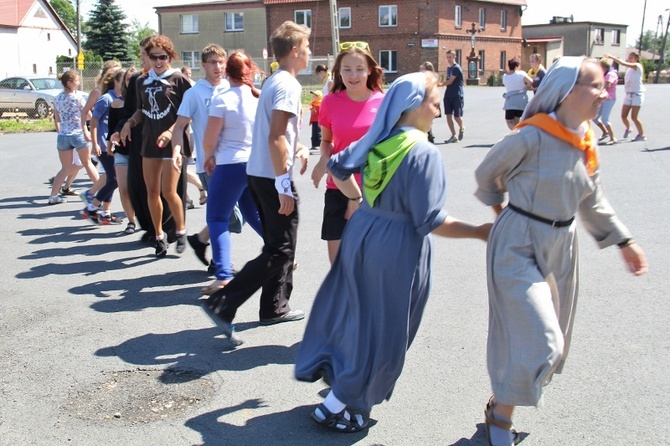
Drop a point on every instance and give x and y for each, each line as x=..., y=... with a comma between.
x=163, y=42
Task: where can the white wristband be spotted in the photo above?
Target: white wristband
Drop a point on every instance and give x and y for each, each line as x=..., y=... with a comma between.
x=283, y=185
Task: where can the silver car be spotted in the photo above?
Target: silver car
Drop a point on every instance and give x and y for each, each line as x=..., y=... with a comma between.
x=30, y=94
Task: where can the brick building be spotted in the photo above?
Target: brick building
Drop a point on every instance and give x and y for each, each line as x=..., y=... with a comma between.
x=404, y=33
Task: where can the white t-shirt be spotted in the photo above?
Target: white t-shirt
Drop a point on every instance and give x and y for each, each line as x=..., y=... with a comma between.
x=327, y=84
x=281, y=91
x=237, y=106
x=195, y=105
x=514, y=81
x=633, y=80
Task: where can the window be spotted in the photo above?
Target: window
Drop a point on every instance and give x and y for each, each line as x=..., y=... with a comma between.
x=303, y=17
x=69, y=52
x=616, y=37
x=191, y=59
x=344, y=15
x=458, y=57
x=388, y=16
x=48, y=37
x=481, y=61
x=482, y=18
x=503, y=60
x=234, y=21
x=189, y=24
x=503, y=20
x=51, y=70
x=388, y=60
x=458, y=16
x=34, y=68
x=599, y=36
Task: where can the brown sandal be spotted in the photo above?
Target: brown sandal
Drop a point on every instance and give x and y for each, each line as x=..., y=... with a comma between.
x=490, y=419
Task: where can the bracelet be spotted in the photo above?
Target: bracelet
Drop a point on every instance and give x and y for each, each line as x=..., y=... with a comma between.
x=168, y=130
x=356, y=199
x=133, y=123
x=627, y=242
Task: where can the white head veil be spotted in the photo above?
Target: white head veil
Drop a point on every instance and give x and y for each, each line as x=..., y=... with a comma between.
x=555, y=86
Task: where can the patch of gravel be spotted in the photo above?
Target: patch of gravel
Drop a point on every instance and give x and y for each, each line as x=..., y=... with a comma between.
x=140, y=396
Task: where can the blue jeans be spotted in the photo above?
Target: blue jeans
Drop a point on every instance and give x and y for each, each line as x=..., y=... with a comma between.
x=227, y=186
x=107, y=191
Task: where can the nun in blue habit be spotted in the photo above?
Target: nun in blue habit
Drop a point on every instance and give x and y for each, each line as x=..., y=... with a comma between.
x=369, y=307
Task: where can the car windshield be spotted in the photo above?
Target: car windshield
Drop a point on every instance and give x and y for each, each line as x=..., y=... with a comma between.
x=45, y=83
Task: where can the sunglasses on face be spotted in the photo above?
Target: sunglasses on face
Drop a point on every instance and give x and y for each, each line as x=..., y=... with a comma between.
x=161, y=57
x=361, y=45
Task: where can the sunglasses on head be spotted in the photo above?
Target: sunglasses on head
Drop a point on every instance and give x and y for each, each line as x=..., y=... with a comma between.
x=361, y=45
x=161, y=57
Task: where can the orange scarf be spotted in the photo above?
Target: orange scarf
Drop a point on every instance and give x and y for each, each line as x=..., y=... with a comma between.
x=551, y=126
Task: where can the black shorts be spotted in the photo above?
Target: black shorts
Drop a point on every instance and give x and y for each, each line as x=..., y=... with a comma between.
x=335, y=206
x=454, y=106
x=511, y=114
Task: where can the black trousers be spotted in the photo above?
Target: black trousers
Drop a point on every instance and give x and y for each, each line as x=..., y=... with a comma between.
x=272, y=270
x=316, y=134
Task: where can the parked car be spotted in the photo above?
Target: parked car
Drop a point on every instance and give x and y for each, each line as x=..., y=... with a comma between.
x=30, y=94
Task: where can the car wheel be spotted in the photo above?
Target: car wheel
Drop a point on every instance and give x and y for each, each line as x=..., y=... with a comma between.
x=41, y=109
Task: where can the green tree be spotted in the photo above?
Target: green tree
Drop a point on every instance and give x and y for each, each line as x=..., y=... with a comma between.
x=106, y=33
x=67, y=14
x=138, y=32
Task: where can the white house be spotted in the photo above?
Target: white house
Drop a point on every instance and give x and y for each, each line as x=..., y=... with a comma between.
x=31, y=36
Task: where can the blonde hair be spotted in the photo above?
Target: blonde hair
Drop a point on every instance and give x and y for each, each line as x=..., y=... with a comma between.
x=105, y=68
x=287, y=36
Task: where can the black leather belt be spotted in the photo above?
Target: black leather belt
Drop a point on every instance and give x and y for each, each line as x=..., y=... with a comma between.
x=552, y=223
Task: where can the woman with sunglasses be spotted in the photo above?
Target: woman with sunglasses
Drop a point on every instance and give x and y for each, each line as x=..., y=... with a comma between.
x=160, y=92
x=345, y=115
x=369, y=307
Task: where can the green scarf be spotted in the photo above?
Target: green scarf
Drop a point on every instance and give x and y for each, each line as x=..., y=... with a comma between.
x=384, y=159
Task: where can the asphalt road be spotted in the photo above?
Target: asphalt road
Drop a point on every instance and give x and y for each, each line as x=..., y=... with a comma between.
x=102, y=344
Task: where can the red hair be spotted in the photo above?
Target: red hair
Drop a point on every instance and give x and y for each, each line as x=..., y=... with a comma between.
x=240, y=68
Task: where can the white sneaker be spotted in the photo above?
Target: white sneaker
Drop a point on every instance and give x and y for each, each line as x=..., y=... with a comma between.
x=57, y=200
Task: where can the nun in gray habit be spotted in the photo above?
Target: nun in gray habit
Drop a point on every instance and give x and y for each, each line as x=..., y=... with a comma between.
x=548, y=167
x=370, y=304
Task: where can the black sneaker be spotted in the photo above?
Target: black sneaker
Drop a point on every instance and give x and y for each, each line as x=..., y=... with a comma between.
x=161, y=248
x=211, y=268
x=199, y=247
x=181, y=243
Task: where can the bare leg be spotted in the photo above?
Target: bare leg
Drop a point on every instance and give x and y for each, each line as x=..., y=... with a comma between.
x=85, y=157
x=636, y=121
x=124, y=195
x=204, y=234
x=610, y=131
x=459, y=121
x=67, y=168
x=152, y=169
x=333, y=247
x=624, y=116
x=450, y=123
x=169, y=181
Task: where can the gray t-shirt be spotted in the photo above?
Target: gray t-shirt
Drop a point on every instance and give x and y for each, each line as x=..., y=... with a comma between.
x=281, y=91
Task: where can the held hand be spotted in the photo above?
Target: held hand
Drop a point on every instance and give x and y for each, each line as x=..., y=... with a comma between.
x=352, y=207
x=125, y=134
x=164, y=139
x=111, y=148
x=635, y=259
x=176, y=161
x=286, y=204
x=319, y=171
x=209, y=165
x=115, y=139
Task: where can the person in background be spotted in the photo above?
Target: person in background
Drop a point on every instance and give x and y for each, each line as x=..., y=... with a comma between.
x=322, y=72
x=550, y=171
x=186, y=71
x=634, y=98
x=368, y=309
x=454, y=101
x=67, y=117
x=537, y=71
x=195, y=109
x=345, y=115
x=314, y=108
x=602, y=119
x=428, y=66
x=516, y=83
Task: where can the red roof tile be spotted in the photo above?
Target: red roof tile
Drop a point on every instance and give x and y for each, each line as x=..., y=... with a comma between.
x=12, y=12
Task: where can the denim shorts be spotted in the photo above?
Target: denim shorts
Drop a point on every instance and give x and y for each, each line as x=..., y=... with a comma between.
x=634, y=99
x=120, y=160
x=69, y=142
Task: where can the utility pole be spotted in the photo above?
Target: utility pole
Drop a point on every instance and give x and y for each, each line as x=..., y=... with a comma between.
x=78, y=29
x=665, y=37
x=335, y=26
x=639, y=45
